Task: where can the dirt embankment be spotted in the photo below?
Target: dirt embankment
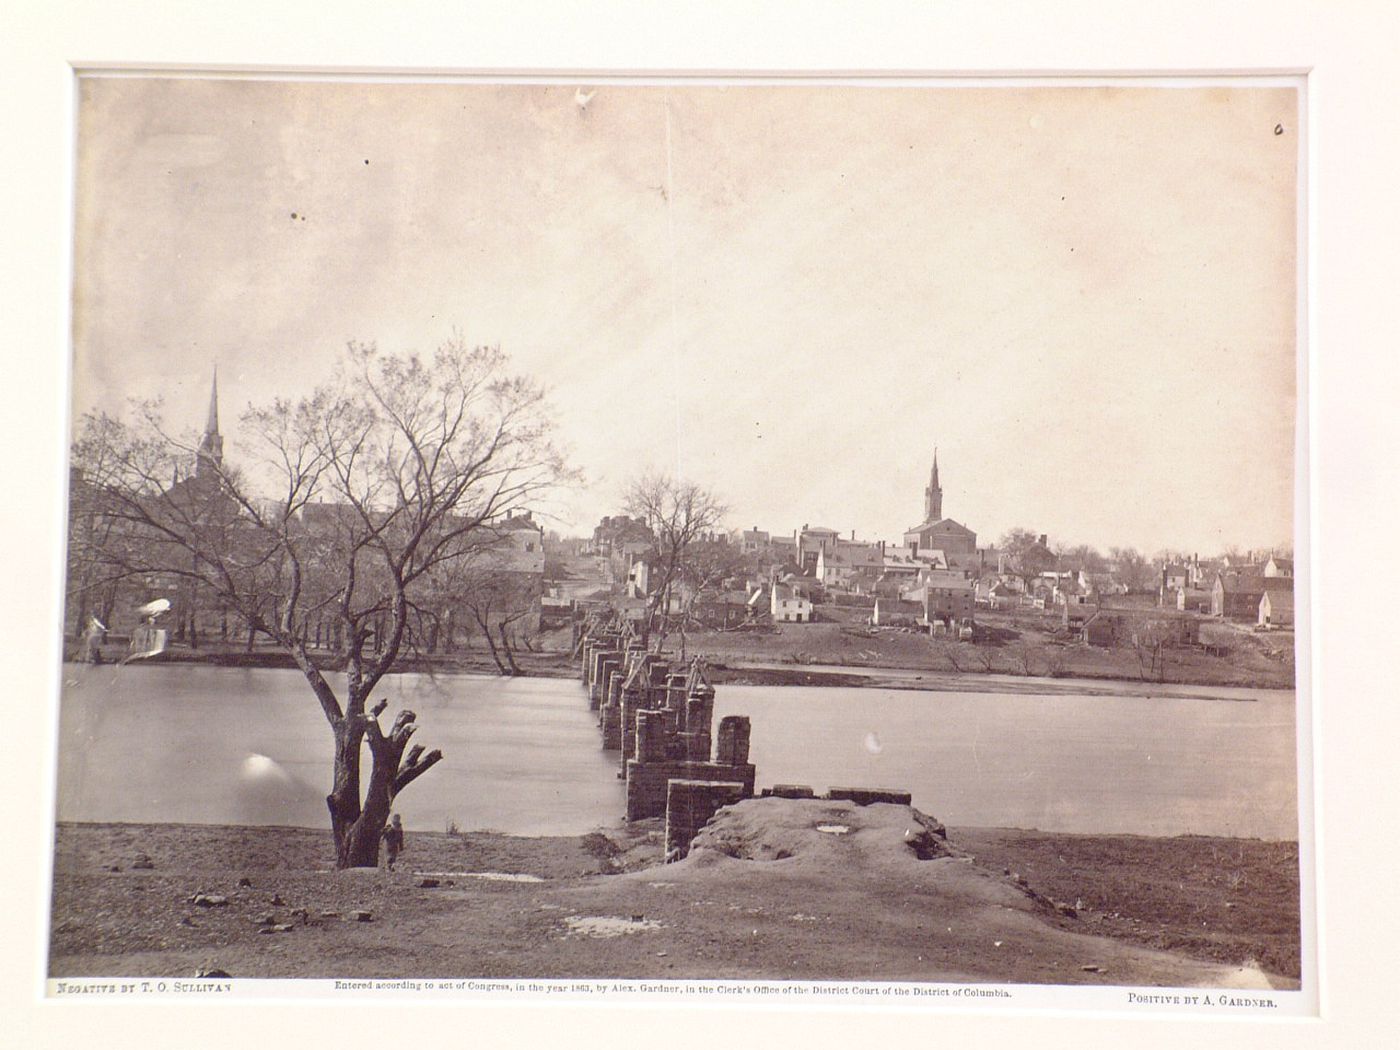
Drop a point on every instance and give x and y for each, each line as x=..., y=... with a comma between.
x=1022, y=645
x=764, y=894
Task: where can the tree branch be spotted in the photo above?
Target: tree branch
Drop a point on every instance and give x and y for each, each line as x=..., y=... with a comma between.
x=408, y=774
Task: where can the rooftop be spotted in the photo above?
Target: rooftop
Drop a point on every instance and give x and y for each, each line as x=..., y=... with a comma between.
x=945, y=524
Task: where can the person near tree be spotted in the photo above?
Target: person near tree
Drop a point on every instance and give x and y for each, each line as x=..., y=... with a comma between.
x=393, y=841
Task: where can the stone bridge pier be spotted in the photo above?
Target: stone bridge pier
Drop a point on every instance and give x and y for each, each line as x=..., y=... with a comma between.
x=659, y=718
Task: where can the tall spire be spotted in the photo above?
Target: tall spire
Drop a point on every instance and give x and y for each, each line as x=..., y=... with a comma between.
x=211, y=446
x=212, y=425
x=933, y=495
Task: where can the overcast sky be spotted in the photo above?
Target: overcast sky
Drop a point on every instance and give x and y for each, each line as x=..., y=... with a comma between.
x=1085, y=297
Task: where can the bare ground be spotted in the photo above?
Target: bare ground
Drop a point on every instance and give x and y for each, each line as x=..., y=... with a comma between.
x=793, y=904
x=1026, y=644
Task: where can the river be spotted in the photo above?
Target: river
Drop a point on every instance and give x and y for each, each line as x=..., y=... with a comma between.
x=202, y=744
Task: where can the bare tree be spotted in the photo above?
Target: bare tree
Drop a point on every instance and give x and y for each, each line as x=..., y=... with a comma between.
x=1028, y=559
x=380, y=478
x=1152, y=640
x=707, y=566
x=1081, y=556
x=949, y=651
x=1132, y=569
x=679, y=514
x=1016, y=540
x=1024, y=655
x=498, y=599
x=93, y=576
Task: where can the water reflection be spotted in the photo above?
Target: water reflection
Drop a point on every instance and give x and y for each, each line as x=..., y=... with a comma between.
x=1140, y=765
x=196, y=744
x=203, y=744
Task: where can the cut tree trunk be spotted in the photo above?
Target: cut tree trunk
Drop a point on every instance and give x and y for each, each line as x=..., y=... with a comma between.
x=357, y=840
x=344, y=799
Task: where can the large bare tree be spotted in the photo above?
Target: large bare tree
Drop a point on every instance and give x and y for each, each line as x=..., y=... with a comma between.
x=349, y=503
x=680, y=514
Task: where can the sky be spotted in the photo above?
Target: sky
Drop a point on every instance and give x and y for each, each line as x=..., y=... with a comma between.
x=1084, y=297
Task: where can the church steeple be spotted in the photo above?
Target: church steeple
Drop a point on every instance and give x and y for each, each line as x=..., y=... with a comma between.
x=211, y=426
x=211, y=446
x=933, y=495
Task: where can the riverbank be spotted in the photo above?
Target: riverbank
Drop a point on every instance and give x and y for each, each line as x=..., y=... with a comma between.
x=1023, y=645
x=546, y=664
x=741, y=669
x=738, y=673
x=1004, y=906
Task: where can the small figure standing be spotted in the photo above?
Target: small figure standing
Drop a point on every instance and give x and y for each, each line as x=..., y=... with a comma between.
x=393, y=840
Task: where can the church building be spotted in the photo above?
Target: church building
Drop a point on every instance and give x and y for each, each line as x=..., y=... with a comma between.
x=937, y=533
x=203, y=484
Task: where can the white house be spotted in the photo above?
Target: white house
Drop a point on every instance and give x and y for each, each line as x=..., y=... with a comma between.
x=1276, y=609
x=841, y=565
x=789, y=605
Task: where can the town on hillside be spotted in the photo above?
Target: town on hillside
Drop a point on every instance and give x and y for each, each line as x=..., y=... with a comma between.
x=934, y=598
x=1023, y=605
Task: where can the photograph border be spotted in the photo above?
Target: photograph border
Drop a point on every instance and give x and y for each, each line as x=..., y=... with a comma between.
x=1301, y=1002
x=1311, y=438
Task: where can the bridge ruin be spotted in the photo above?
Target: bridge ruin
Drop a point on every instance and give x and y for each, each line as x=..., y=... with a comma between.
x=658, y=716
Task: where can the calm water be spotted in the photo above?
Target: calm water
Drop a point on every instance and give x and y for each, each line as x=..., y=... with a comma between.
x=218, y=745
x=1139, y=765
x=196, y=744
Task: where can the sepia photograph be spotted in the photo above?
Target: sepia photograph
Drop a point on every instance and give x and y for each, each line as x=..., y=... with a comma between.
x=687, y=535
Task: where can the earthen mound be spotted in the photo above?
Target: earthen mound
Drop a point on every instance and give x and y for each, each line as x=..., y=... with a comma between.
x=820, y=833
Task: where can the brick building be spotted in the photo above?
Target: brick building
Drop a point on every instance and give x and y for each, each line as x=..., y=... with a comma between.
x=936, y=532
